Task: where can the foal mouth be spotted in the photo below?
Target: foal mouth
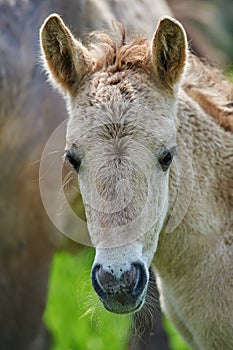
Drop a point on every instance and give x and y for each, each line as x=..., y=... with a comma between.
x=118, y=307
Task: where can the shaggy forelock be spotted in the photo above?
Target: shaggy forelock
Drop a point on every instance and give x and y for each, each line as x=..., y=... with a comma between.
x=116, y=51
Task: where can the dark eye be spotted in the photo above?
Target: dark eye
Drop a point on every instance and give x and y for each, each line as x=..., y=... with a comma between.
x=73, y=159
x=166, y=158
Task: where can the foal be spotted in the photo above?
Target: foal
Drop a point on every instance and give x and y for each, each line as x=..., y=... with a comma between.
x=149, y=135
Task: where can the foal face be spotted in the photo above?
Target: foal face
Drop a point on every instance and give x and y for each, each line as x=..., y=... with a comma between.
x=121, y=141
x=123, y=144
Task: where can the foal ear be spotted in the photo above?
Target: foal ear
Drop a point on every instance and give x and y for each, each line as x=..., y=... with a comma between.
x=169, y=50
x=66, y=60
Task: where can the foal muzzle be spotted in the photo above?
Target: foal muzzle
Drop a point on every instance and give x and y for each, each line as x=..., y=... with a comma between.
x=122, y=294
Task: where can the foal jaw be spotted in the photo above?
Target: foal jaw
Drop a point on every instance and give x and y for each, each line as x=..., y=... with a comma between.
x=124, y=294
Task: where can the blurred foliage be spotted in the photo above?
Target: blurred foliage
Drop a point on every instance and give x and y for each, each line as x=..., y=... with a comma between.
x=229, y=74
x=74, y=315
x=175, y=340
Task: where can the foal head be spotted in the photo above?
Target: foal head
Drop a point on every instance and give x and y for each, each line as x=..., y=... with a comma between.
x=121, y=138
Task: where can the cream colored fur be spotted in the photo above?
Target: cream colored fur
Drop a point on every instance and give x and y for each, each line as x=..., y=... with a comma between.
x=194, y=263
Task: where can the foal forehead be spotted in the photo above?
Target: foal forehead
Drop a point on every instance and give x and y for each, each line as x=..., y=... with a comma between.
x=122, y=86
x=120, y=104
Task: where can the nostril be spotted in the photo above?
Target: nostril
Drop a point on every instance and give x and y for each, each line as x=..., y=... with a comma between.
x=95, y=269
x=140, y=280
x=96, y=282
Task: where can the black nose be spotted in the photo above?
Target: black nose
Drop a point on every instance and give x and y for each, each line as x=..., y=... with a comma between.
x=120, y=293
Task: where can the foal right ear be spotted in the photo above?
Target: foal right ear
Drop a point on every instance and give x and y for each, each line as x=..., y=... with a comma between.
x=169, y=52
x=66, y=60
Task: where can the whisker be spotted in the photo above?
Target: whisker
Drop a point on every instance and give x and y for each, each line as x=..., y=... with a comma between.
x=68, y=178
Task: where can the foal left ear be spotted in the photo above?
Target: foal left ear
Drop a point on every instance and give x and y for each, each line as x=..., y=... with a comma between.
x=66, y=60
x=169, y=51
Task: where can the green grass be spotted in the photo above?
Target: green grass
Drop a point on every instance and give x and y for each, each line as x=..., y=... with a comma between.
x=74, y=315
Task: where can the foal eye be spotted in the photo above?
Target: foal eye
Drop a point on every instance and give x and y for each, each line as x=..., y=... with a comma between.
x=72, y=158
x=166, y=158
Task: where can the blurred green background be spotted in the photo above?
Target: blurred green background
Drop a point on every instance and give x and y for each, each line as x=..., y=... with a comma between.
x=76, y=318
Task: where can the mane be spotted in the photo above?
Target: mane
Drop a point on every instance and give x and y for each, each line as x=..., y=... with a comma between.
x=206, y=85
x=211, y=90
x=116, y=51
